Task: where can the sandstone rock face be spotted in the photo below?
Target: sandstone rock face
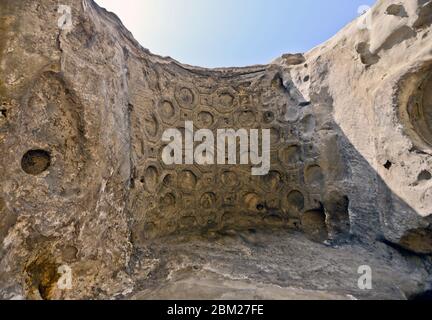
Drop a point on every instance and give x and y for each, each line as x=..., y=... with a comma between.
x=86, y=197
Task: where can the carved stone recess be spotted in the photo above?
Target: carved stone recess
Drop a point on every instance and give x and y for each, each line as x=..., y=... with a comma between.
x=83, y=185
x=177, y=198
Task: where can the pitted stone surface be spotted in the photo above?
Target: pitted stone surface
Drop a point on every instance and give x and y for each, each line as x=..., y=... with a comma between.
x=177, y=198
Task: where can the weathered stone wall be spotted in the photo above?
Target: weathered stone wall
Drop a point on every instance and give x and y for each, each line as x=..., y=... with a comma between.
x=385, y=67
x=181, y=198
x=66, y=204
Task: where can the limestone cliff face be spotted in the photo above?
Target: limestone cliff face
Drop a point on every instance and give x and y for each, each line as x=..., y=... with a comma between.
x=83, y=186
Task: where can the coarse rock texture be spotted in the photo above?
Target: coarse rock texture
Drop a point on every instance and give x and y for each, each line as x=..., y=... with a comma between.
x=83, y=186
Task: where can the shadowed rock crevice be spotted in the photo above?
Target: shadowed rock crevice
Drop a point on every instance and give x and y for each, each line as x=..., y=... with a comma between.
x=419, y=106
x=367, y=58
x=418, y=240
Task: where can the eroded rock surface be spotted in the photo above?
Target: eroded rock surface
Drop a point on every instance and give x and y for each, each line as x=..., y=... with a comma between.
x=83, y=186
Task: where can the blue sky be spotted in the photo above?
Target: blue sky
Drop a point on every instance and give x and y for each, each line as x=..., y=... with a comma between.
x=223, y=33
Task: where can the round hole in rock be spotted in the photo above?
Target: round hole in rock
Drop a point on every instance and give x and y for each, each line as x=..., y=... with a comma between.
x=268, y=117
x=388, y=165
x=296, y=200
x=314, y=225
x=424, y=176
x=35, y=162
x=314, y=175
